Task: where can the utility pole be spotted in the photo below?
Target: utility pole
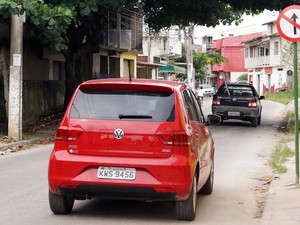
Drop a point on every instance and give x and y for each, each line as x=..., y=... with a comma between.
x=189, y=36
x=15, y=79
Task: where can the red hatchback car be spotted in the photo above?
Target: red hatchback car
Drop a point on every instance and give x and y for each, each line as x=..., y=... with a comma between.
x=134, y=139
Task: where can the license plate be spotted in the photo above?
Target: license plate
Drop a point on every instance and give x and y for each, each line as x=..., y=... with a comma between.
x=116, y=173
x=233, y=113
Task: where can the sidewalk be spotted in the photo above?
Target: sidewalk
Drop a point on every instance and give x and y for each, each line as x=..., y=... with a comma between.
x=42, y=135
x=40, y=132
x=16, y=146
x=283, y=199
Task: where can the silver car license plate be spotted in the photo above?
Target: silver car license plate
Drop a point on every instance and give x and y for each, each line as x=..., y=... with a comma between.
x=233, y=113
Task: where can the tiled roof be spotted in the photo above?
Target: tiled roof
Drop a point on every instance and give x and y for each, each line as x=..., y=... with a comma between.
x=236, y=40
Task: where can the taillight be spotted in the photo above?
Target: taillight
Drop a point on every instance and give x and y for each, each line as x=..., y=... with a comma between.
x=177, y=138
x=68, y=134
x=181, y=139
x=216, y=101
x=252, y=103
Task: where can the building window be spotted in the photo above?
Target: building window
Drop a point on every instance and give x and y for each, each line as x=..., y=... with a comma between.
x=59, y=72
x=261, y=51
x=276, y=44
x=247, y=53
x=271, y=29
x=113, y=30
x=252, y=52
x=125, y=31
x=267, y=52
x=210, y=39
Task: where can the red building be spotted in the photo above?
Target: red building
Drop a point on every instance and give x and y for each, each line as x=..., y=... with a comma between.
x=232, y=48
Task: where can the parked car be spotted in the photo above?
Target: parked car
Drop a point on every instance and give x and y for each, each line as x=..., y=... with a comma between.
x=141, y=140
x=238, y=101
x=204, y=90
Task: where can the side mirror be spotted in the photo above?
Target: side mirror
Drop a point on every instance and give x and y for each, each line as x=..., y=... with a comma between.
x=213, y=119
x=261, y=97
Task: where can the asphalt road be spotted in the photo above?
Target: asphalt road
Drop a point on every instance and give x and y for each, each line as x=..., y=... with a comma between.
x=240, y=163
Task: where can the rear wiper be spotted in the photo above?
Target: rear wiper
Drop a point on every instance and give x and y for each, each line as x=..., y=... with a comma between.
x=134, y=116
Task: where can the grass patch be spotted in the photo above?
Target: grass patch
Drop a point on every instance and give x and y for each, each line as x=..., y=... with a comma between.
x=280, y=155
x=284, y=97
x=282, y=150
x=290, y=122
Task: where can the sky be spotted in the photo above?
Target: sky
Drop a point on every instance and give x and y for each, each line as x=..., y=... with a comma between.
x=250, y=24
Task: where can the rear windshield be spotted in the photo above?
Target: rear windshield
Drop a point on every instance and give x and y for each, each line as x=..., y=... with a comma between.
x=123, y=105
x=236, y=90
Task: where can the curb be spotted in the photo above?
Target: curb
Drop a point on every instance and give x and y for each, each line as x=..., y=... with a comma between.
x=5, y=147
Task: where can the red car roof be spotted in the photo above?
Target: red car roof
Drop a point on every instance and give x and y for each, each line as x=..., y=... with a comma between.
x=150, y=82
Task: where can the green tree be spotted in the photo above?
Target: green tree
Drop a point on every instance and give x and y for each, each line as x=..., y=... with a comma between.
x=73, y=27
x=243, y=77
x=215, y=59
x=200, y=60
x=163, y=13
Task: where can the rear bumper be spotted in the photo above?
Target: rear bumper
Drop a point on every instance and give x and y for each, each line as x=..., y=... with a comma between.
x=244, y=112
x=84, y=191
x=156, y=179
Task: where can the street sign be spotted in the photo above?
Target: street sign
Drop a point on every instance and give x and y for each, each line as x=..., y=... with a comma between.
x=288, y=26
x=288, y=23
x=289, y=73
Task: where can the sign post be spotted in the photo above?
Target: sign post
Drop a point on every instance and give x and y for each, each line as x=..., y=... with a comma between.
x=288, y=26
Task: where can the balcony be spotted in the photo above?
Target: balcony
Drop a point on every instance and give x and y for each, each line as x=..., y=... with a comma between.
x=257, y=62
x=123, y=32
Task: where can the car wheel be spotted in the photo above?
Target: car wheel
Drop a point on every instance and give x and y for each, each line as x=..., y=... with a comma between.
x=259, y=120
x=208, y=186
x=222, y=120
x=60, y=204
x=186, y=210
x=254, y=122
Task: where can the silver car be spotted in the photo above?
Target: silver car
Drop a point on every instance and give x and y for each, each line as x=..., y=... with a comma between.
x=205, y=90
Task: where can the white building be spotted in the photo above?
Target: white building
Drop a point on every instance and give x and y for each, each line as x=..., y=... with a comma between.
x=268, y=58
x=157, y=50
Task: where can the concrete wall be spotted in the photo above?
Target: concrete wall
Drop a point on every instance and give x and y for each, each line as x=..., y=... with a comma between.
x=34, y=67
x=40, y=98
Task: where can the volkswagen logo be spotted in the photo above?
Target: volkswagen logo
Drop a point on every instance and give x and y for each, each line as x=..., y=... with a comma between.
x=118, y=133
x=234, y=99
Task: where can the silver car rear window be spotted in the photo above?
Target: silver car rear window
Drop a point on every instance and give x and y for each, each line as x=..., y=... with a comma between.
x=236, y=90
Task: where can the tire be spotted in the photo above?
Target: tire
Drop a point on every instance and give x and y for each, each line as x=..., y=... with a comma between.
x=186, y=209
x=259, y=120
x=254, y=122
x=222, y=120
x=209, y=184
x=60, y=204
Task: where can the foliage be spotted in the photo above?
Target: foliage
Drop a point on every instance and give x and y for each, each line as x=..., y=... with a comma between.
x=200, y=60
x=160, y=14
x=62, y=24
x=279, y=156
x=74, y=27
x=283, y=97
x=215, y=59
x=55, y=21
x=243, y=77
